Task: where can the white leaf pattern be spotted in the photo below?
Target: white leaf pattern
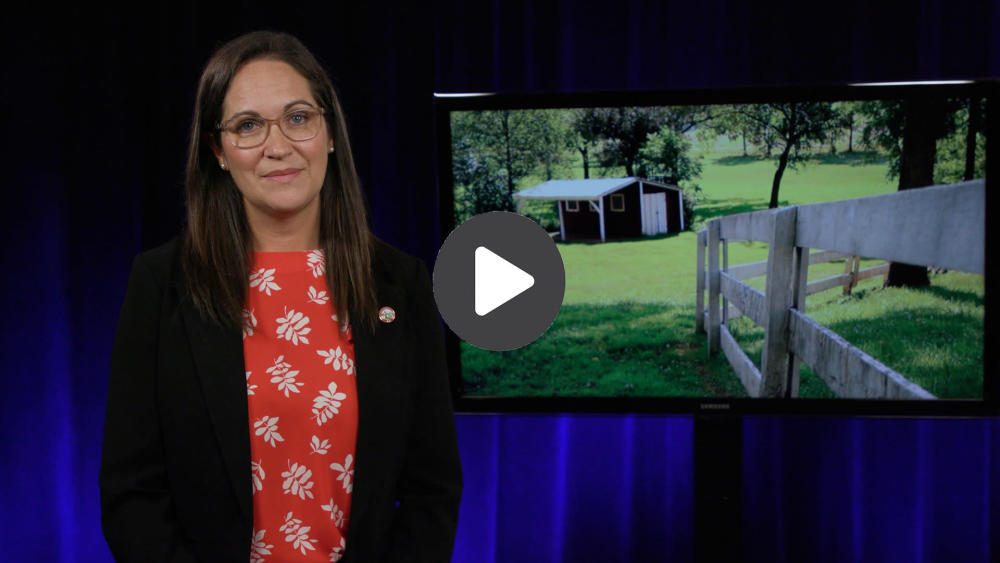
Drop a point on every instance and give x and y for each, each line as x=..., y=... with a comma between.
x=284, y=376
x=336, y=514
x=344, y=326
x=316, y=263
x=346, y=472
x=258, y=547
x=338, y=358
x=268, y=426
x=250, y=388
x=257, y=473
x=318, y=297
x=292, y=327
x=297, y=534
x=281, y=375
x=319, y=447
x=249, y=323
x=327, y=403
x=297, y=481
x=338, y=552
x=263, y=280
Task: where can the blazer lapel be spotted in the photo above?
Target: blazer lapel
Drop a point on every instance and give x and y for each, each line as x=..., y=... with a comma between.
x=218, y=355
x=376, y=356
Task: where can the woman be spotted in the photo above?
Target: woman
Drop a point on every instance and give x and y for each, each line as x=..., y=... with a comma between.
x=254, y=411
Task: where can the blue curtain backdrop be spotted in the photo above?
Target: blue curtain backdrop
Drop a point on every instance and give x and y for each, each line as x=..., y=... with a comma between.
x=97, y=103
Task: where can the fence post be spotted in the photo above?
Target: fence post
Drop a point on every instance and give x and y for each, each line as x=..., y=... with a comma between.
x=713, y=286
x=775, y=357
x=851, y=266
x=800, y=282
x=854, y=272
x=725, y=268
x=699, y=300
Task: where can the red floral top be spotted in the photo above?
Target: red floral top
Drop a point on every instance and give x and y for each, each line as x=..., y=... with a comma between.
x=303, y=410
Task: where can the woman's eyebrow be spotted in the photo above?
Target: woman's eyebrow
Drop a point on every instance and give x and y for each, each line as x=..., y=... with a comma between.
x=253, y=113
x=297, y=102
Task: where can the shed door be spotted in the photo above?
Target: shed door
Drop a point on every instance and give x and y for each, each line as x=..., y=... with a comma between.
x=654, y=213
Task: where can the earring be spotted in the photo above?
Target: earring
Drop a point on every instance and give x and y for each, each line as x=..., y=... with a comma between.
x=331, y=150
x=222, y=165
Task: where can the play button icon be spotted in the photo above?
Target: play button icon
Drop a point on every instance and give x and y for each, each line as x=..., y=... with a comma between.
x=499, y=281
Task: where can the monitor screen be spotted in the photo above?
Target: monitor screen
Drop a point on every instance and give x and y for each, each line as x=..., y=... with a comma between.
x=782, y=249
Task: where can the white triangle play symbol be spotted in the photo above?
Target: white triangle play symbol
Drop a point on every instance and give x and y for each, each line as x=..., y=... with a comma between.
x=497, y=281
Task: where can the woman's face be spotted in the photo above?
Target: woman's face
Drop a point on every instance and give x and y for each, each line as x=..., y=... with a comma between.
x=280, y=177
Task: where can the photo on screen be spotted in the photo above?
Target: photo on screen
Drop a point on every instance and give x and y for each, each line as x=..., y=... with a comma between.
x=837, y=273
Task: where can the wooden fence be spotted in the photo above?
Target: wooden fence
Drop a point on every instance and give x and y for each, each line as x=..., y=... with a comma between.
x=940, y=226
x=848, y=280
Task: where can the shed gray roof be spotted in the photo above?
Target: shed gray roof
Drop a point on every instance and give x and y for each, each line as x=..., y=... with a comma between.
x=589, y=189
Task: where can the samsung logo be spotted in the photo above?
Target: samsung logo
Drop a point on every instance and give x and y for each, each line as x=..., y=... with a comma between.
x=715, y=406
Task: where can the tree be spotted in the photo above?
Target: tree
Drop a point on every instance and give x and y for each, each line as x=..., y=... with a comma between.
x=733, y=124
x=847, y=120
x=909, y=131
x=624, y=130
x=923, y=125
x=683, y=119
x=961, y=154
x=973, y=126
x=554, y=140
x=791, y=127
x=582, y=136
x=850, y=120
x=883, y=130
x=665, y=157
x=492, y=151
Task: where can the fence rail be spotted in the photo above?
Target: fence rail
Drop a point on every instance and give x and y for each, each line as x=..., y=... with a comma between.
x=847, y=280
x=907, y=226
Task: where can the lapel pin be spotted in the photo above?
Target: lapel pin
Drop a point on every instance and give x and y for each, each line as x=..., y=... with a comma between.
x=386, y=314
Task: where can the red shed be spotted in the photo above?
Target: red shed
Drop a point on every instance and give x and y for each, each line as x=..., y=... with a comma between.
x=611, y=207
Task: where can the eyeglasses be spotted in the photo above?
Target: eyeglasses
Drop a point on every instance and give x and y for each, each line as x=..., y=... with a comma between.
x=248, y=131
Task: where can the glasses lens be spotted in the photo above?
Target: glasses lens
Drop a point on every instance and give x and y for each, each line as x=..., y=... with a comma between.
x=298, y=125
x=301, y=124
x=248, y=131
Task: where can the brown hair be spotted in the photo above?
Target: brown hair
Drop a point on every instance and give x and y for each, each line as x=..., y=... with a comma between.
x=217, y=242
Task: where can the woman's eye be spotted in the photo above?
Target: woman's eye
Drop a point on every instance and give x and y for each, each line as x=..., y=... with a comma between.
x=298, y=118
x=247, y=126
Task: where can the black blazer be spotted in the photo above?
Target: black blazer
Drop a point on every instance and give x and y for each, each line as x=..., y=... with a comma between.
x=175, y=470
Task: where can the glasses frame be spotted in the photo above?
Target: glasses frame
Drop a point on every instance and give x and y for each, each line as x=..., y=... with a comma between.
x=222, y=126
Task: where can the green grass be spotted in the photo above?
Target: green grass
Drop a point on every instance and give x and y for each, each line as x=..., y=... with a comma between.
x=931, y=335
x=627, y=322
x=622, y=349
x=734, y=184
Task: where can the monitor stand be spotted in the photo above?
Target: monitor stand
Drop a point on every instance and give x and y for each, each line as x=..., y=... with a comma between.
x=718, y=457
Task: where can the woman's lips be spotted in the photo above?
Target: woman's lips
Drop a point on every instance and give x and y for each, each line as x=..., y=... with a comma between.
x=283, y=176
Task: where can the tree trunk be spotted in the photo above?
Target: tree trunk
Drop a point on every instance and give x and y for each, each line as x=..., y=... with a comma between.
x=509, y=161
x=782, y=163
x=586, y=162
x=922, y=120
x=628, y=167
x=970, y=139
x=850, y=132
x=744, y=142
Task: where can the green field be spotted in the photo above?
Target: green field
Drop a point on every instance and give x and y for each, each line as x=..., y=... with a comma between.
x=626, y=327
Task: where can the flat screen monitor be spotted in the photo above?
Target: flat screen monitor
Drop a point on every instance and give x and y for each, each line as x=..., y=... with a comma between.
x=797, y=249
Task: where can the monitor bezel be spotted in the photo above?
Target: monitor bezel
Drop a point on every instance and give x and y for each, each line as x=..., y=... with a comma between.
x=989, y=405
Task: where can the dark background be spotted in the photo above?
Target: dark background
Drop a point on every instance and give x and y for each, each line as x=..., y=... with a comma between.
x=97, y=102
